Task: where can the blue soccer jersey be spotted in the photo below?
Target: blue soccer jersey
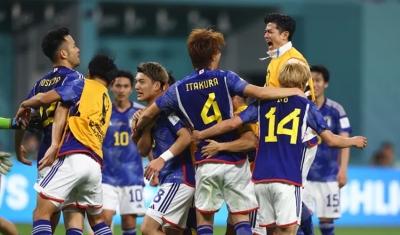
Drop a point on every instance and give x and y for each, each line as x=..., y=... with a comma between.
x=204, y=98
x=282, y=125
x=179, y=169
x=325, y=166
x=55, y=78
x=122, y=162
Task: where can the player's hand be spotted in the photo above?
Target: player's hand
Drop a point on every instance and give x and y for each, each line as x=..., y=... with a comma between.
x=21, y=158
x=154, y=167
x=342, y=177
x=5, y=164
x=154, y=181
x=211, y=149
x=196, y=137
x=360, y=142
x=49, y=157
x=135, y=118
x=35, y=123
x=24, y=114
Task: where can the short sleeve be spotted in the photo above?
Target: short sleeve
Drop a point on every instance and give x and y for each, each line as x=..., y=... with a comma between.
x=315, y=120
x=343, y=124
x=175, y=122
x=71, y=91
x=250, y=114
x=236, y=84
x=168, y=102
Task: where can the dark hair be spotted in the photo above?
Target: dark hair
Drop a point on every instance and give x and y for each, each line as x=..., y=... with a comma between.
x=52, y=41
x=155, y=71
x=125, y=74
x=103, y=67
x=202, y=45
x=322, y=70
x=171, y=78
x=283, y=23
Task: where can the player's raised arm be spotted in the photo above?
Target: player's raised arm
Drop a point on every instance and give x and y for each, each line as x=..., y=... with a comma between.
x=147, y=116
x=144, y=141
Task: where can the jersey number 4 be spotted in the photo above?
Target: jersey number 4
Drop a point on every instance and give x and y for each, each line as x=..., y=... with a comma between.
x=211, y=102
x=281, y=130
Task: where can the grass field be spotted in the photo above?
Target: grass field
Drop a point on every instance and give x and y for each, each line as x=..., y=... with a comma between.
x=26, y=230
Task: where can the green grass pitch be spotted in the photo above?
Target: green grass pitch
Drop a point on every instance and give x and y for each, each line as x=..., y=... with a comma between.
x=25, y=229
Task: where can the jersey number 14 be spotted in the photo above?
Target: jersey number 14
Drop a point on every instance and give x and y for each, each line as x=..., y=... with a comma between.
x=281, y=130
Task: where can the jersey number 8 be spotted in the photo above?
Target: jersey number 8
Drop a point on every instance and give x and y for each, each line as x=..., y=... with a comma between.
x=281, y=130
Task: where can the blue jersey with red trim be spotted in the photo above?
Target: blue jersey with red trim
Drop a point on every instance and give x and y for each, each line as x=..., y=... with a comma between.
x=122, y=162
x=325, y=166
x=204, y=99
x=58, y=76
x=179, y=169
x=282, y=125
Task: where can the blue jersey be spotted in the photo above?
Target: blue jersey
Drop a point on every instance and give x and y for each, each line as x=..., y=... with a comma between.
x=53, y=79
x=325, y=166
x=122, y=162
x=179, y=169
x=282, y=126
x=204, y=98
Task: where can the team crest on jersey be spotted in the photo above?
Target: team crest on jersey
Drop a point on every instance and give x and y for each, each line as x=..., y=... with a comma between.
x=328, y=120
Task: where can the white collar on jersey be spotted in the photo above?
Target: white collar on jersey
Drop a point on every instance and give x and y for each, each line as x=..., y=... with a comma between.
x=278, y=52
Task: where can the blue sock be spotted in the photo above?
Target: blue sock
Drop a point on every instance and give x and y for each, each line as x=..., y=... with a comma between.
x=129, y=231
x=101, y=229
x=41, y=227
x=74, y=231
x=243, y=228
x=205, y=230
x=327, y=228
x=299, y=231
x=306, y=224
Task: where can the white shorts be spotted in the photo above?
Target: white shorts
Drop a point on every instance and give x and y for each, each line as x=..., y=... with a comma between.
x=43, y=171
x=308, y=160
x=171, y=205
x=74, y=180
x=129, y=198
x=280, y=204
x=326, y=198
x=219, y=182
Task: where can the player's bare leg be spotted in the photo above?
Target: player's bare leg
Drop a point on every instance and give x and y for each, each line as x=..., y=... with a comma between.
x=291, y=230
x=172, y=231
x=150, y=226
x=7, y=228
x=205, y=222
x=73, y=221
x=128, y=224
x=108, y=216
x=42, y=214
x=54, y=220
x=97, y=224
x=230, y=230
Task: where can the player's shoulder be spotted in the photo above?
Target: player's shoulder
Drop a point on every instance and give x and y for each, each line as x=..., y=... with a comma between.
x=136, y=105
x=335, y=106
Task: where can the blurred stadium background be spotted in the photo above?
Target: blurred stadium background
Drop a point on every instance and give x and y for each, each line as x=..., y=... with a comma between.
x=356, y=39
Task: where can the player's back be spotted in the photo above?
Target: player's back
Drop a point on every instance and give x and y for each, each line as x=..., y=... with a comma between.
x=53, y=79
x=180, y=169
x=122, y=161
x=280, y=156
x=205, y=99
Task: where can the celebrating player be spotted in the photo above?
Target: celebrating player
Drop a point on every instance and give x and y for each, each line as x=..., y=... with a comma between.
x=123, y=169
x=282, y=125
x=204, y=97
x=278, y=34
x=60, y=48
x=168, y=140
x=325, y=178
x=75, y=177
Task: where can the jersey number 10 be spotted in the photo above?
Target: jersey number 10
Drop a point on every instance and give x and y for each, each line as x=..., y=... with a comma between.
x=281, y=130
x=121, y=138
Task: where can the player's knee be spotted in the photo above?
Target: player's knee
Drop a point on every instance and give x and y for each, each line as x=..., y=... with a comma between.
x=325, y=220
x=237, y=218
x=94, y=219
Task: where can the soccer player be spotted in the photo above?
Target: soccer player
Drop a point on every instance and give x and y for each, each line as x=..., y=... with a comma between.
x=169, y=141
x=123, y=168
x=204, y=98
x=75, y=177
x=325, y=178
x=282, y=126
x=59, y=46
x=278, y=34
